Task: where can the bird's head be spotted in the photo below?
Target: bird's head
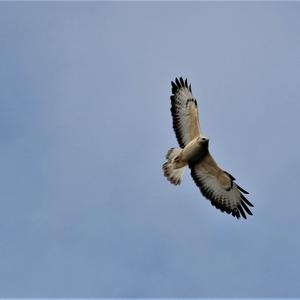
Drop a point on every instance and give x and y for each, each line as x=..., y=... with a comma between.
x=203, y=141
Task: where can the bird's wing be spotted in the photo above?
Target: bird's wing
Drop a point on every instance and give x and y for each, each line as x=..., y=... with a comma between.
x=219, y=187
x=184, y=112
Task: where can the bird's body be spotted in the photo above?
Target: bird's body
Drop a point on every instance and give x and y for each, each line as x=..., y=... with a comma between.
x=195, y=150
x=215, y=184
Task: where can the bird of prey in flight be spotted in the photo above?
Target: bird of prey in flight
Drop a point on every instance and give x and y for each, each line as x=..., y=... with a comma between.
x=215, y=184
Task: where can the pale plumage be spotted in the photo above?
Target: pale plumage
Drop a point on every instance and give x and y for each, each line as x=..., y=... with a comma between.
x=214, y=183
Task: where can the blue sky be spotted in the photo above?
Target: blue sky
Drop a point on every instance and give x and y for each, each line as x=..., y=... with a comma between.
x=84, y=128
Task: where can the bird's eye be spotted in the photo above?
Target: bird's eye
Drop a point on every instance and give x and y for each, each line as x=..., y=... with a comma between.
x=203, y=139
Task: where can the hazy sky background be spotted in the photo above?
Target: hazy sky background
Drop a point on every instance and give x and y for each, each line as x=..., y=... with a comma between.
x=84, y=128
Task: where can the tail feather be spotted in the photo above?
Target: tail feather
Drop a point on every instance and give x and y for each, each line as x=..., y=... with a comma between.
x=171, y=173
x=172, y=153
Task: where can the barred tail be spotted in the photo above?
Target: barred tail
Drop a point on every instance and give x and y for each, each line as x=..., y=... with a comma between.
x=172, y=173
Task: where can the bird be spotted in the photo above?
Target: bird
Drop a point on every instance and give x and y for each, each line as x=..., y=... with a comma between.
x=215, y=184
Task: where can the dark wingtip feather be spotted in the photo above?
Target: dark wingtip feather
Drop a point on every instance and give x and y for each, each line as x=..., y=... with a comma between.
x=186, y=83
x=241, y=189
x=230, y=176
x=181, y=81
x=246, y=208
x=236, y=213
x=174, y=87
x=242, y=212
x=246, y=200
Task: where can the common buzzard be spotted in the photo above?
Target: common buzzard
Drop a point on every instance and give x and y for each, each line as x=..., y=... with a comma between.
x=214, y=183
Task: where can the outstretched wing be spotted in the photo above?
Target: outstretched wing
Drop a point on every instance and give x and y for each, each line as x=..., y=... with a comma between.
x=184, y=112
x=219, y=187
